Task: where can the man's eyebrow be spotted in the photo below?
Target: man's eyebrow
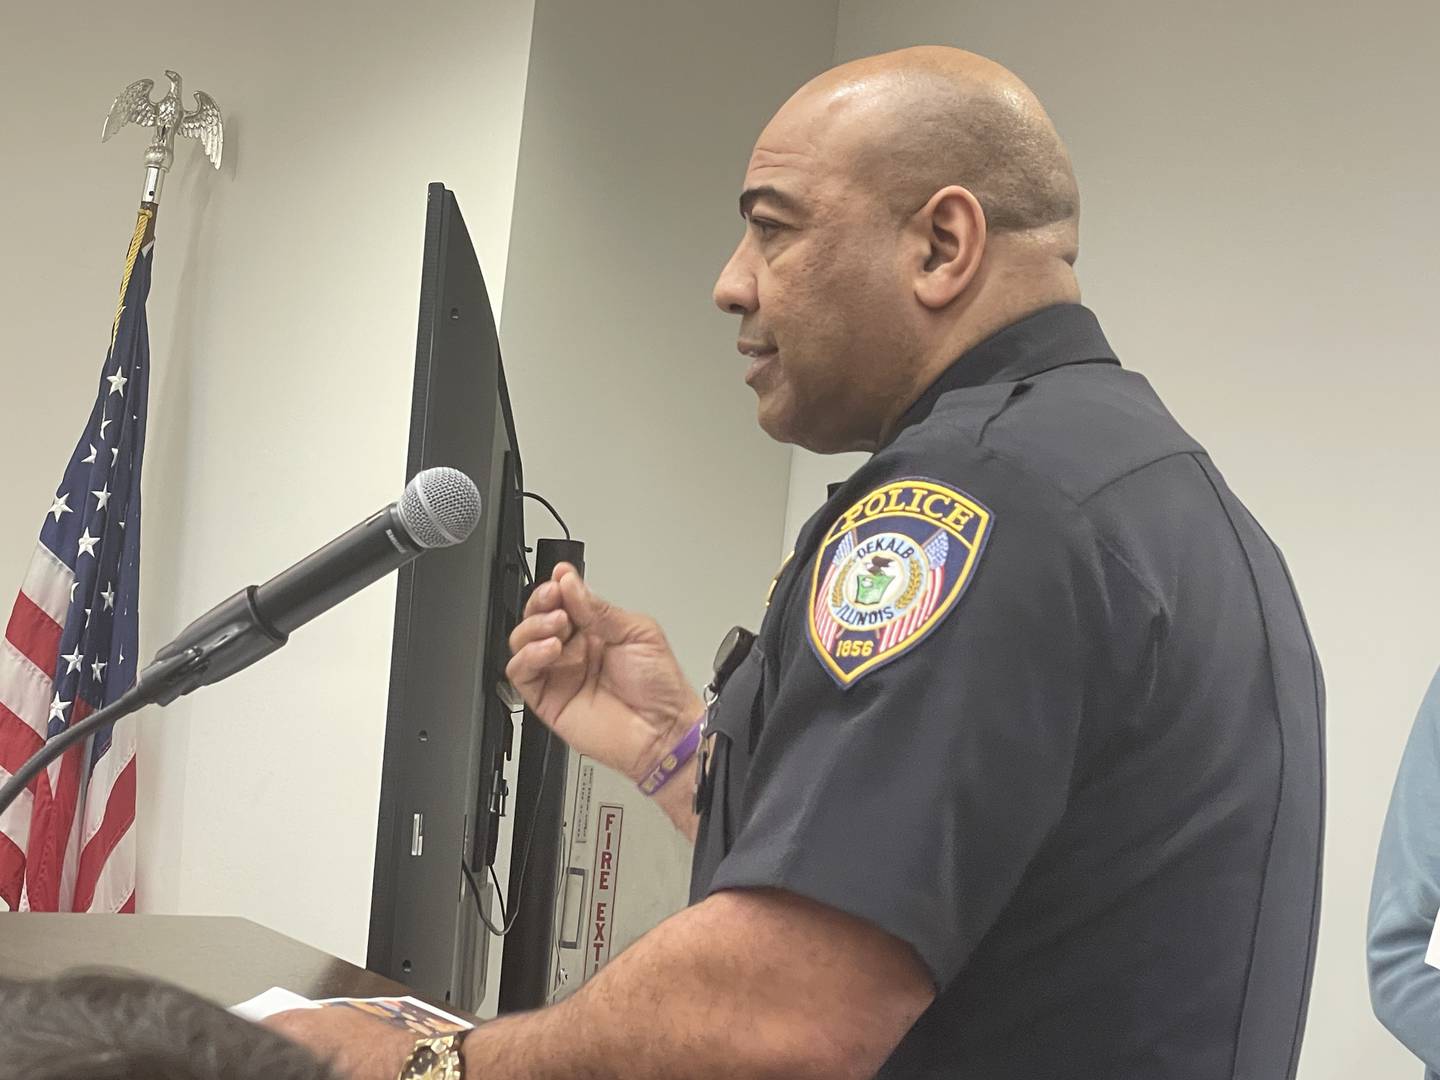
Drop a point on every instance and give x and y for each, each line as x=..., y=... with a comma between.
x=750, y=196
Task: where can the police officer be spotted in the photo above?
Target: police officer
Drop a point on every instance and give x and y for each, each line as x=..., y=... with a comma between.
x=1022, y=776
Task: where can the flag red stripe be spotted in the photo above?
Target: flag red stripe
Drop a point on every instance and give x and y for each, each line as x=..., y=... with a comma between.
x=12, y=871
x=35, y=634
x=932, y=594
x=119, y=816
x=824, y=621
x=50, y=821
x=18, y=742
x=826, y=625
x=922, y=610
x=898, y=631
x=128, y=907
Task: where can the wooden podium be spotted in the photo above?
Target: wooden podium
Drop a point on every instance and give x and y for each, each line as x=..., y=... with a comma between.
x=227, y=960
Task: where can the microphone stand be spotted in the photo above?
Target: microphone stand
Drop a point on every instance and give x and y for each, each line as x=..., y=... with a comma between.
x=235, y=634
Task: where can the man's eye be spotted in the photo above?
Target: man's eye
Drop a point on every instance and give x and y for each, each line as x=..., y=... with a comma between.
x=765, y=227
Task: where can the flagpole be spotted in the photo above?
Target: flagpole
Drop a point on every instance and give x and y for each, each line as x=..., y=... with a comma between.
x=76, y=618
x=150, y=210
x=169, y=118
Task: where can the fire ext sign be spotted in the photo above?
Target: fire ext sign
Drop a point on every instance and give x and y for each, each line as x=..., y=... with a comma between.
x=602, y=903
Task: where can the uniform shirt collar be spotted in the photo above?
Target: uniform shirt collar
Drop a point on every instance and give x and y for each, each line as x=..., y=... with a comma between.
x=1050, y=338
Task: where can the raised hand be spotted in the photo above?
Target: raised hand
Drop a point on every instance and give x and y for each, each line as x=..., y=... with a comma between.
x=604, y=679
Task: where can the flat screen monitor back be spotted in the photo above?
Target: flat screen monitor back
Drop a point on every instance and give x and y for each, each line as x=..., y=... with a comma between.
x=446, y=727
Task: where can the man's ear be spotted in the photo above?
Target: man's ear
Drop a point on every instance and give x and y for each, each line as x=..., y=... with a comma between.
x=951, y=229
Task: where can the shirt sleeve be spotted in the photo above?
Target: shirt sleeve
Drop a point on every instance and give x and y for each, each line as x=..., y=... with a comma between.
x=1405, y=897
x=917, y=796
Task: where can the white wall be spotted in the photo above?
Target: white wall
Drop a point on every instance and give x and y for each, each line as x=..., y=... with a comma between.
x=282, y=330
x=628, y=391
x=810, y=477
x=1260, y=238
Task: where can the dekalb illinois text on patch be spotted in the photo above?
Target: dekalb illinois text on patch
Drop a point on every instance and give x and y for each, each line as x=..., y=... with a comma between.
x=889, y=570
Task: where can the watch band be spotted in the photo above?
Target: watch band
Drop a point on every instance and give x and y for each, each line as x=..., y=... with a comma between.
x=436, y=1059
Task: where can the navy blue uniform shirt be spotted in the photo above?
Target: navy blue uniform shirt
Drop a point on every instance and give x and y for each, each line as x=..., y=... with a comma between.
x=1035, y=695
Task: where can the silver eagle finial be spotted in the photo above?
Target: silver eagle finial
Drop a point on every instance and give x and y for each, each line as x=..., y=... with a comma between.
x=169, y=118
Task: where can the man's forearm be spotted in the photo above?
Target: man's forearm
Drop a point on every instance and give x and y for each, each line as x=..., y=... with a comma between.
x=593, y=1036
x=531, y=1046
x=739, y=987
x=633, y=1020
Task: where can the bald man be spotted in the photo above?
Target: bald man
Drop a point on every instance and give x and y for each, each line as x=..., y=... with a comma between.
x=1021, y=777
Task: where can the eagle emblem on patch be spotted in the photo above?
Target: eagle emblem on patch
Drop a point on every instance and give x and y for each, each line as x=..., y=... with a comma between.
x=889, y=570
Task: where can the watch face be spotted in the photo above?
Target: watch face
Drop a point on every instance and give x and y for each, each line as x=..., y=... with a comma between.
x=435, y=1059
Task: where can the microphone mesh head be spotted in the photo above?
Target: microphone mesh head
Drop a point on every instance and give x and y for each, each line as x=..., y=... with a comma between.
x=440, y=507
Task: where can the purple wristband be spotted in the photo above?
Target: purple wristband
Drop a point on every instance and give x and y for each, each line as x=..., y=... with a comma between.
x=670, y=764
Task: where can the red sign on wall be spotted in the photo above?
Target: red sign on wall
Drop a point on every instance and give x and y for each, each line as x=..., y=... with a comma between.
x=602, y=904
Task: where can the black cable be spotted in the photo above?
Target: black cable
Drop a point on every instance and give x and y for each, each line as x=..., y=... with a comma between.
x=151, y=687
x=124, y=705
x=479, y=905
x=508, y=922
x=548, y=506
x=499, y=897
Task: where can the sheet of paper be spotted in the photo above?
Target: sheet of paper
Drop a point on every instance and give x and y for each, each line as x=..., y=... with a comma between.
x=272, y=1001
x=406, y=1012
x=1432, y=954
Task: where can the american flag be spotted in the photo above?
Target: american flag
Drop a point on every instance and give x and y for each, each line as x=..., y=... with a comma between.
x=937, y=550
x=68, y=842
x=827, y=627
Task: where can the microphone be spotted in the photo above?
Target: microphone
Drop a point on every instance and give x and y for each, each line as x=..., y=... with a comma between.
x=439, y=508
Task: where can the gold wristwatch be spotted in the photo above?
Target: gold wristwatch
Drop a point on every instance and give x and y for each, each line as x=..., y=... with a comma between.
x=436, y=1059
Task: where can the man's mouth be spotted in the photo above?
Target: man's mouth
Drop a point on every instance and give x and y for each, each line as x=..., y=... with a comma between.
x=760, y=357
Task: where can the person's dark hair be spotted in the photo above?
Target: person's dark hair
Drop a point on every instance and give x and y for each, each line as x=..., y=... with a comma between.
x=120, y=1027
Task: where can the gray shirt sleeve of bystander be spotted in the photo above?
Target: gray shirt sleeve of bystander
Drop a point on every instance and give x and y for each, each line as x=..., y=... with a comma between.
x=1404, y=990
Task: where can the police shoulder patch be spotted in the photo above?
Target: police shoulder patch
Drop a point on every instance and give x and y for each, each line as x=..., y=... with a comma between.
x=889, y=570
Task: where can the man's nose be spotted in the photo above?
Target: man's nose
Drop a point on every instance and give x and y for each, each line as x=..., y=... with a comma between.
x=735, y=287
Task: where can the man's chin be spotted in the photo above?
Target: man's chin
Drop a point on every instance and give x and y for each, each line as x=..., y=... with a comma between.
x=784, y=430
x=783, y=422
x=774, y=421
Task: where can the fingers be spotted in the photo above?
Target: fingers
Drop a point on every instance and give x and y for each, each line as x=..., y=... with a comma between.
x=539, y=641
x=285, y=1022
x=587, y=611
x=549, y=624
x=530, y=663
x=563, y=606
x=546, y=597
